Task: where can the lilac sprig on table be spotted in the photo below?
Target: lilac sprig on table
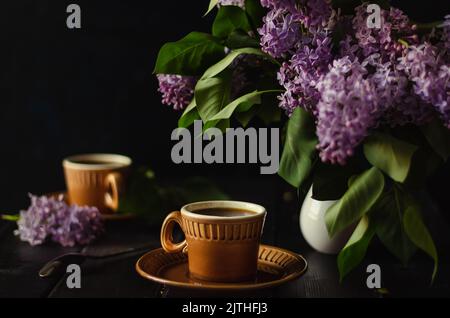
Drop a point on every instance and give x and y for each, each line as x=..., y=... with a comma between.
x=52, y=218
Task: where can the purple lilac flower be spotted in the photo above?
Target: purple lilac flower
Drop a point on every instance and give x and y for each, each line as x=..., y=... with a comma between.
x=394, y=92
x=430, y=76
x=53, y=218
x=408, y=110
x=348, y=108
x=279, y=4
x=348, y=47
x=395, y=25
x=176, y=90
x=239, y=3
x=300, y=74
x=77, y=225
x=282, y=26
x=279, y=33
x=36, y=223
x=446, y=35
x=316, y=15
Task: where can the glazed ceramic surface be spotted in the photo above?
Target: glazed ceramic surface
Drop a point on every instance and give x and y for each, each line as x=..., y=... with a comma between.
x=220, y=248
x=275, y=266
x=96, y=180
x=313, y=228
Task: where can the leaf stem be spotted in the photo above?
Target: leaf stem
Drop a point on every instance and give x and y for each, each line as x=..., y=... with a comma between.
x=10, y=217
x=403, y=42
x=429, y=25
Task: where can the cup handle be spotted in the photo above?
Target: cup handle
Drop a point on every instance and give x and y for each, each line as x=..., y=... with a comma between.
x=114, y=183
x=167, y=234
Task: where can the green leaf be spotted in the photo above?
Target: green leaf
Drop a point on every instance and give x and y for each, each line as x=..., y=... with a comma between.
x=148, y=199
x=361, y=195
x=355, y=249
x=245, y=117
x=389, y=154
x=142, y=196
x=212, y=5
x=241, y=104
x=227, y=60
x=330, y=182
x=229, y=19
x=256, y=12
x=189, y=115
x=268, y=113
x=419, y=235
x=220, y=124
x=438, y=138
x=211, y=96
x=189, y=56
x=197, y=189
x=388, y=218
x=425, y=163
x=299, y=153
x=239, y=39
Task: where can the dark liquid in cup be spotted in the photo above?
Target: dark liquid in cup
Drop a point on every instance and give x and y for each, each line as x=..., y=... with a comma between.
x=225, y=212
x=92, y=162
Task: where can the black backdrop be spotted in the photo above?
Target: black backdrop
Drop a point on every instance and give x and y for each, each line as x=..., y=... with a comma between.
x=92, y=90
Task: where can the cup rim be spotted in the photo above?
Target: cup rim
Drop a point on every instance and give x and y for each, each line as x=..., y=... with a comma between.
x=114, y=161
x=188, y=210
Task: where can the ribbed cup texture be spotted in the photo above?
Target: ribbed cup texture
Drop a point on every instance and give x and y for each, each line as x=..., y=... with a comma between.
x=203, y=230
x=87, y=178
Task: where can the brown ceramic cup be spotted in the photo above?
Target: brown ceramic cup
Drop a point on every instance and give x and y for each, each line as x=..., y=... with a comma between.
x=96, y=180
x=221, y=247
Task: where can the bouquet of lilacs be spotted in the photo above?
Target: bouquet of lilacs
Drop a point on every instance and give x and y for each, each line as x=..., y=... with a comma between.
x=367, y=102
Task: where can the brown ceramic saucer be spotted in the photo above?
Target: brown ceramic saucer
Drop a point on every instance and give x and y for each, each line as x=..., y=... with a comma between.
x=106, y=217
x=275, y=266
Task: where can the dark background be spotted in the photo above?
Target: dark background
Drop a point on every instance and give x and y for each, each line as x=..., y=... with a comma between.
x=92, y=90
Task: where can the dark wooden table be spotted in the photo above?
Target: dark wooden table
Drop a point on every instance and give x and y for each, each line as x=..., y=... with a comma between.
x=116, y=276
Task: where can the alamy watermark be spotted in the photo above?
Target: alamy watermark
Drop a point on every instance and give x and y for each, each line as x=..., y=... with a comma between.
x=73, y=20
x=374, y=279
x=236, y=145
x=374, y=18
x=73, y=280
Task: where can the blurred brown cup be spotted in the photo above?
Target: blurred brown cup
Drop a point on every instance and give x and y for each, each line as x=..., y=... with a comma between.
x=96, y=180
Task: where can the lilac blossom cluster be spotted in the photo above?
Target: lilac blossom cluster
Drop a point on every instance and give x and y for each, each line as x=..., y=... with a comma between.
x=51, y=218
x=352, y=77
x=281, y=32
x=430, y=76
x=177, y=90
x=346, y=110
x=300, y=75
x=374, y=76
x=394, y=25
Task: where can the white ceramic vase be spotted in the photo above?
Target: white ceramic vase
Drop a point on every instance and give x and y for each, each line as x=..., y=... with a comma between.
x=313, y=228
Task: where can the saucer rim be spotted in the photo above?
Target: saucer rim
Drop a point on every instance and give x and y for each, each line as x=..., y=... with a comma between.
x=225, y=286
